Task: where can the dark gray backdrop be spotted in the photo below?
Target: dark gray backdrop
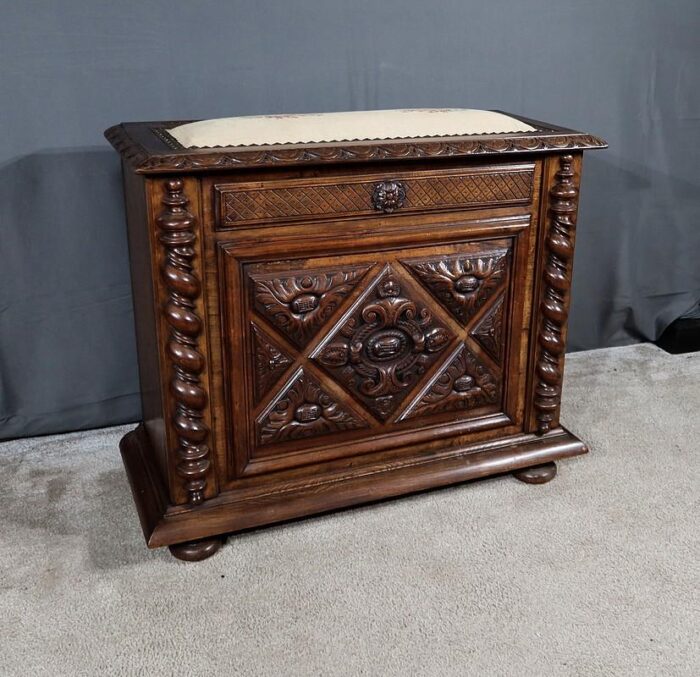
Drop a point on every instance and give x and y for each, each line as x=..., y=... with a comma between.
x=627, y=70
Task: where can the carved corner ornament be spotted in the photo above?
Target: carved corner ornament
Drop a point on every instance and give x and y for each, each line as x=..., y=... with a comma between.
x=554, y=305
x=304, y=409
x=463, y=284
x=270, y=361
x=462, y=384
x=299, y=304
x=177, y=237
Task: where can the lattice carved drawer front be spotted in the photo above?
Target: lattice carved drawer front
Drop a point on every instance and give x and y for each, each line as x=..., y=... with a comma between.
x=255, y=204
x=339, y=352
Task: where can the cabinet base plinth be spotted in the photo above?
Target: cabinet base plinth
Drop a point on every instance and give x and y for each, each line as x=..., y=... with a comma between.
x=195, y=533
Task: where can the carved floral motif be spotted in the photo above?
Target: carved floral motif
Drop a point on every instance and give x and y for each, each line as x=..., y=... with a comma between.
x=489, y=330
x=299, y=304
x=303, y=409
x=388, y=196
x=270, y=362
x=465, y=383
x=462, y=283
x=384, y=346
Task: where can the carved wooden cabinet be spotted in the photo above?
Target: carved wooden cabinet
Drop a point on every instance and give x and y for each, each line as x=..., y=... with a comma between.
x=330, y=323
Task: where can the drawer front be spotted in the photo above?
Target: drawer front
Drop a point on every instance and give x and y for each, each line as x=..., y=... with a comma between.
x=340, y=355
x=259, y=204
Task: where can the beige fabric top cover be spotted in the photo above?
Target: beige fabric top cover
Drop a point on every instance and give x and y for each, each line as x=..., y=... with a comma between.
x=266, y=130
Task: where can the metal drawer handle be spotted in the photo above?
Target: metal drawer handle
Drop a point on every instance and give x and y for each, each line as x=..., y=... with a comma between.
x=388, y=196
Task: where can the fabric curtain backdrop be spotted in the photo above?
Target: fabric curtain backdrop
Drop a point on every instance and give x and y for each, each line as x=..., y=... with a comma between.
x=628, y=71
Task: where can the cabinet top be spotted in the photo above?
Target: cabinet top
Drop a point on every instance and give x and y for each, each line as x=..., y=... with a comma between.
x=321, y=138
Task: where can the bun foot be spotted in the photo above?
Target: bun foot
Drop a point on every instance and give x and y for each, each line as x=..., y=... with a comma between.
x=195, y=551
x=537, y=474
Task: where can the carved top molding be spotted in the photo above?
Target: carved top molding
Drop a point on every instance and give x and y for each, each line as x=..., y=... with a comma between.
x=149, y=149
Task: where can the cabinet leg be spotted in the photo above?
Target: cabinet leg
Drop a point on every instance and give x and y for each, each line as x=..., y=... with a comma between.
x=537, y=474
x=195, y=551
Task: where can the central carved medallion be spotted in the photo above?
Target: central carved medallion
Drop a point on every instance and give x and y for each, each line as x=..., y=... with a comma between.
x=387, y=344
x=384, y=346
x=305, y=303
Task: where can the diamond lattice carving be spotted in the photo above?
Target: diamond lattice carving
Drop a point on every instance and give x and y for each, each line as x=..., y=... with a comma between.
x=253, y=205
x=384, y=345
x=474, y=188
x=431, y=192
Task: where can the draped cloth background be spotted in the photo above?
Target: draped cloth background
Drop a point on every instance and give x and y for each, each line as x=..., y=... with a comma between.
x=628, y=71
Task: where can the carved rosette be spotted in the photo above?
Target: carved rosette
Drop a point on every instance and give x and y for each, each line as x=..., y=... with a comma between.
x=388, y=196
x=554, y=305
x=177, y=236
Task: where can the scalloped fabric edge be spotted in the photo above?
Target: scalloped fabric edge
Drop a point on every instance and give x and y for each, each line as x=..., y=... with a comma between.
x=378, y=125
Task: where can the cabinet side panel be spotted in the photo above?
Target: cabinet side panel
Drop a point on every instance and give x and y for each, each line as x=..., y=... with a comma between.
x=145, y=316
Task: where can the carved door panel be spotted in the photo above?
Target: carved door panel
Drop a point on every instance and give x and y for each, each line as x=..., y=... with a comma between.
x=341, y=355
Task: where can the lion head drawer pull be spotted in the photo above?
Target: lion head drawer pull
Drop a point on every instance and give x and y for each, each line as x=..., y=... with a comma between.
x=388, y=196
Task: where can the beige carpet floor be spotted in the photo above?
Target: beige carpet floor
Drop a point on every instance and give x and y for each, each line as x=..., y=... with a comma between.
x=595, y=573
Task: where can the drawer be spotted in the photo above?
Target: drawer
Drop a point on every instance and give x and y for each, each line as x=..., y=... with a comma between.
x=266, y=203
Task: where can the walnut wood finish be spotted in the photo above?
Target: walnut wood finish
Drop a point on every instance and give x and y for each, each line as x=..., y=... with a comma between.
x=400, y=325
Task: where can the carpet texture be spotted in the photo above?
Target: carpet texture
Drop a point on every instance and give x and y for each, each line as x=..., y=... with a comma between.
x=595, y=573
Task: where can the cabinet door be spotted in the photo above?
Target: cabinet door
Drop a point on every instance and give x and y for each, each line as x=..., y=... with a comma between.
x=346, y=354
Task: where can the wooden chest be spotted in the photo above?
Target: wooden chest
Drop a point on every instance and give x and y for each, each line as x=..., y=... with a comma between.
x=327, y=323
